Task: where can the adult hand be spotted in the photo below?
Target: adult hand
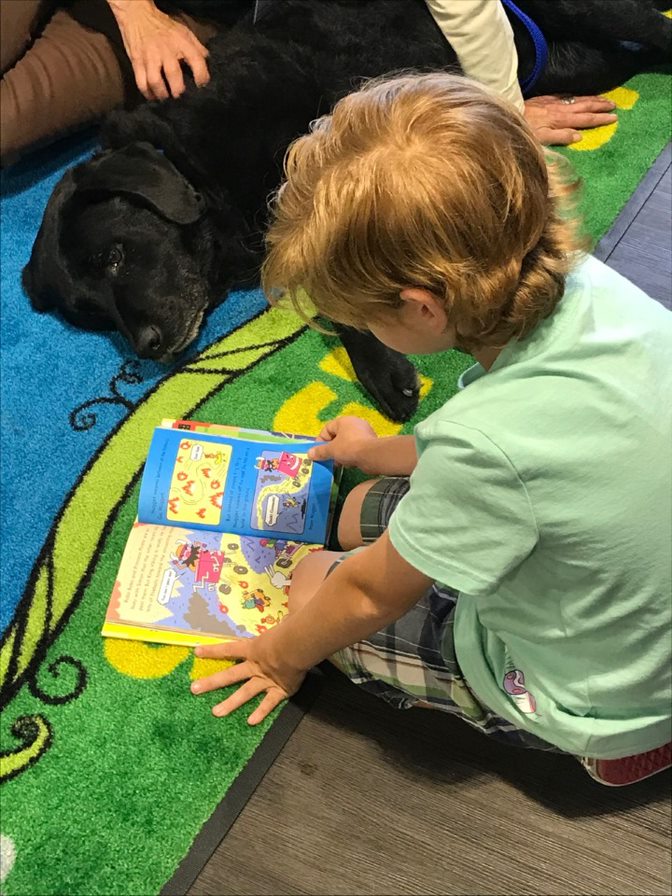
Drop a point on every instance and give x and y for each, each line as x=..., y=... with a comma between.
x=345, y=437
x=156, y=45
x=556, y=121
x=258, y=670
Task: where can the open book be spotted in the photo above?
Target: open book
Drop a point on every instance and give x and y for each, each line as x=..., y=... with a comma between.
x=224, y=516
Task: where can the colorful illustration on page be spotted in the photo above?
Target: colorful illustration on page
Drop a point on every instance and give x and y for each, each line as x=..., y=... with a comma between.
x=281, y=492
x=222, y=585
x=197, y=483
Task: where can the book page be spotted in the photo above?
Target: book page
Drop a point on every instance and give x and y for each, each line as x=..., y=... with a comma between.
x=243, y=485
x=237, y=432
x=186, y=586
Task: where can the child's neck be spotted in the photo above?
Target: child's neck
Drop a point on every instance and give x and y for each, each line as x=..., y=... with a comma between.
x=487, y=355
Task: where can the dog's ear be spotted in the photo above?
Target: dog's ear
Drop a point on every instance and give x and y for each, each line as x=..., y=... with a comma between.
x=141, y=170
x=45, y=278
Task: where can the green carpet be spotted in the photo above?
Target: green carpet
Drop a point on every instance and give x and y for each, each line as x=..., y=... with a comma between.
x=109, y=766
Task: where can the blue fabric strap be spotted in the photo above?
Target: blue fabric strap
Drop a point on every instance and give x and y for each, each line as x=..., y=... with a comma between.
x=540, y=46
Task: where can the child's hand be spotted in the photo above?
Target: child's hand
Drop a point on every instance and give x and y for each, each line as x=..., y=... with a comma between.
x=348, y=441
x=257, y=671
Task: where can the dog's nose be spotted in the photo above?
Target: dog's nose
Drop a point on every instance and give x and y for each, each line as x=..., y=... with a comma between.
x=148, y=342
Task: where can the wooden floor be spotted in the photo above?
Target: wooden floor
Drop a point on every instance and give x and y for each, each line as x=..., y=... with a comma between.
x=368, y=800
x=639, y=245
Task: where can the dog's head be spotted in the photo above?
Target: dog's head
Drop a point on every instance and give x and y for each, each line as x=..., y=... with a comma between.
x=118, y=249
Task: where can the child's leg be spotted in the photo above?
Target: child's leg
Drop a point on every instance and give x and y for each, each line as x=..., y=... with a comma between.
x=308, y=576
x=365, y=514
x=367, y=510
x=349, y=530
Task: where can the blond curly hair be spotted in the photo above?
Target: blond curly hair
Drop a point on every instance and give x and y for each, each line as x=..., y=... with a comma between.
x=424, y=181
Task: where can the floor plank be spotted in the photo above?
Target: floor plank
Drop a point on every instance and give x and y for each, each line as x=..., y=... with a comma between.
x=644, y=251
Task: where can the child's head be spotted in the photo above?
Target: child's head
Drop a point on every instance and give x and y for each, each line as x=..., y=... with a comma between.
x=422, y=184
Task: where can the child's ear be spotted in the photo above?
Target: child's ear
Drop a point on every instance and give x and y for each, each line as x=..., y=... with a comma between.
x=427, y=305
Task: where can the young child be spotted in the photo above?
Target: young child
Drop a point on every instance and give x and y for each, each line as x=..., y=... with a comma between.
x=521, y=577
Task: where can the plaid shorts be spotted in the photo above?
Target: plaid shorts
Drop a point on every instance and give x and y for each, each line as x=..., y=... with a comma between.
x=413, y=660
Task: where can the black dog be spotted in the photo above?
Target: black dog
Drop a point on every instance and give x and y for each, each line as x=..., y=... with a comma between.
x=152, y=232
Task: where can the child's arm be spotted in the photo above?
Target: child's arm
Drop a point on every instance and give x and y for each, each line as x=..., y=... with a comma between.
x=366, y=592
x=351, y=442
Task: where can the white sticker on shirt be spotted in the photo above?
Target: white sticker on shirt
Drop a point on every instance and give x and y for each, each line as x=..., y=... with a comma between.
x=514, y=685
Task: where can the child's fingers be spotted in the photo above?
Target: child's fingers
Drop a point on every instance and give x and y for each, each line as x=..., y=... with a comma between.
x=235, y=649
x=244, y=693
x=329, y=430
x=321, y=452
x=267, y=705
x=222, y=679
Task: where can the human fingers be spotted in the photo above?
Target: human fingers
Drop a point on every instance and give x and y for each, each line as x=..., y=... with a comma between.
x=557, y=136
x=242, y=695
x=195, y=55
x=140, y=73
x=576, y=118
x=322, y=452
x=237, y=648
x=267, y=705
x=172, y=72
x=201, y=48
x=596, y=103
x=154, y=68
x=329, y=430
x=222, y=679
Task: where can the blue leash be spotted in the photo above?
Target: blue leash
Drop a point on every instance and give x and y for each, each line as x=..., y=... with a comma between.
x=263, y=7
x=540, y=45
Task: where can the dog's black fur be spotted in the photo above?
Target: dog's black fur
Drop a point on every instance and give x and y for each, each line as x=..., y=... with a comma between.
x=153, y=231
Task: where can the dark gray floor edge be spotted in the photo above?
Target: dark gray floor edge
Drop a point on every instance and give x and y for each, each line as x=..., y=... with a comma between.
x=216, y=827
x=629, y=212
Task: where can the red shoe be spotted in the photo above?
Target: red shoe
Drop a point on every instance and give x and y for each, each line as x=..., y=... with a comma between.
x=629, y=769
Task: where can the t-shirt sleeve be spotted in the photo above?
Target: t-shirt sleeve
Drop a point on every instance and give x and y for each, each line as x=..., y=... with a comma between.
x=466, y=520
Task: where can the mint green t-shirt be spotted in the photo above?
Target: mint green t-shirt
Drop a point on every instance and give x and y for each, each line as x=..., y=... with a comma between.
x=543, y=494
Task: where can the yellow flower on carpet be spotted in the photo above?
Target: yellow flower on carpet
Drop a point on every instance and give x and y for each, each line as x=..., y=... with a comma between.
x=146, y=661
x=624, y=98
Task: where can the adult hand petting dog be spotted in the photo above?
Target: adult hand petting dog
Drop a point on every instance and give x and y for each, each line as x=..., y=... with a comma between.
x=156, y=44
x=259, y=672
x=557, y=120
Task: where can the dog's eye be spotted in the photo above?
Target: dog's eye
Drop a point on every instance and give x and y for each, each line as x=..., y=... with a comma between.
x=114, y=259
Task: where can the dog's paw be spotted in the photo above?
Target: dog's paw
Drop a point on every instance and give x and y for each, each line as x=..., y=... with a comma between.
x=395, y=390
x=387, y=376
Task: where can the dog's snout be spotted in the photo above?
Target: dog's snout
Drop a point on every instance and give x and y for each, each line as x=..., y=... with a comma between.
x=149, y=342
